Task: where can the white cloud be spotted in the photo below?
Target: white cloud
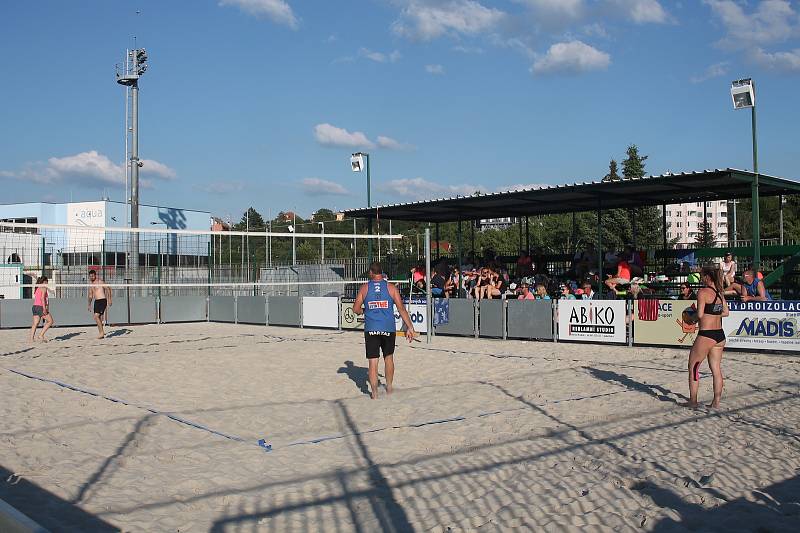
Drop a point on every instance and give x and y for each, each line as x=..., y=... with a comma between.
x=571, y=57
x=434, y=69
x=770, y=22
x=561, y=8
x=713, y=71
x=329, y=135
x=388, y=143
x=420, y=188
x=642, y=11
x=428, y=19
x=468, y=49
x=784, y=61
x=380, y=57
x=89, y=168
x=276, y=10
x=222, y=187
x=319, y=187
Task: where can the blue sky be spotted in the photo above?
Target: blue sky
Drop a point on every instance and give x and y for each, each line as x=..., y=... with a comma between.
x=261, y=102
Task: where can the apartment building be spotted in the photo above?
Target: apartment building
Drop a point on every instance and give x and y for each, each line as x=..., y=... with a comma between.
x=683, y=221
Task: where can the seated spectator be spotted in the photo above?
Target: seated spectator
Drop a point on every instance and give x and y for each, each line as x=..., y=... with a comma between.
x=453, y=285
x=610, y=260
x=418, y=273
x=752, y=288
x=584, y=260
x=634, y=261
x=524, y=265
x=481, y=284
x=565, y=293
x=438, y=283
x=541, y=293
x=497, y=285
x=685, y=292
x=525, y=291
x=728, y=267
x=623, y=276
x=588, y=291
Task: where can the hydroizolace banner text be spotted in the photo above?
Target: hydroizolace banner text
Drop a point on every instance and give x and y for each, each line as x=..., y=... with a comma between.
x=763, y=325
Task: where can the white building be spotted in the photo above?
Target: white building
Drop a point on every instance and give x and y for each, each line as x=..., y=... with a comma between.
x=683, y=221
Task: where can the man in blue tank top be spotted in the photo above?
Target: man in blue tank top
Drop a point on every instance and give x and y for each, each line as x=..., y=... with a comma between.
x=377, y=300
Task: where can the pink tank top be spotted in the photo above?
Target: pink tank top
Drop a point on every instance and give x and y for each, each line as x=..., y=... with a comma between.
x=40, y=297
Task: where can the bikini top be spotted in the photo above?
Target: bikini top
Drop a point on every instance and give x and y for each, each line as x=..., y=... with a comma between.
x=714, y=308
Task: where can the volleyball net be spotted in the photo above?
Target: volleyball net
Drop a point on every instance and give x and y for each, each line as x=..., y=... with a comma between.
x=160, y=261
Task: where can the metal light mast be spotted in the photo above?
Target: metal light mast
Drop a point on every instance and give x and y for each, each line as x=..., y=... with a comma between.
x=135, y=67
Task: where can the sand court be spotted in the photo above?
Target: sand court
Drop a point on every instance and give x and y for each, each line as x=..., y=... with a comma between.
x=480, y=434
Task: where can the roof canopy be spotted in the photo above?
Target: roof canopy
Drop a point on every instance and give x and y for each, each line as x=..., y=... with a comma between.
x=727, y=184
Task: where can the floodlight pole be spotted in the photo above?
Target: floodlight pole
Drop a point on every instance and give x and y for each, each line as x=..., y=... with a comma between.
x=135, y=66
x=755, y=199
x=369, y=219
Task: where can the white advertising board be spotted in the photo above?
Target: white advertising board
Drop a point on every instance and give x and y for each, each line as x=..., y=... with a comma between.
x=763, y=325
x=11, y=282
x=86, y=214
x=321, y=311
x=417, y=312
x=592, y=321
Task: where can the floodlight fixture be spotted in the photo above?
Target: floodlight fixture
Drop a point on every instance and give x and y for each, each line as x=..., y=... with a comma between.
x=743, y=93
x=357, y=162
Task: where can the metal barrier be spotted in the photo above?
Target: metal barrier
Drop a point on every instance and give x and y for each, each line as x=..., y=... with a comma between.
x=222, y=309
x=184, y=309
x=251, y=310
x=284, y=311
x=529, y=319
x=491, y=318
x=461, y=320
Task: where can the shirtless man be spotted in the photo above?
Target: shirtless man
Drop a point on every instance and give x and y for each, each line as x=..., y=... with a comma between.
x=101, y=294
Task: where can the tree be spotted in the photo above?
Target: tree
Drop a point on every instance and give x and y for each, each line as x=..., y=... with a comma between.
x=633, y=165
x=705, y=235
x=251, y=219
x=612, y=175
x=323, y=215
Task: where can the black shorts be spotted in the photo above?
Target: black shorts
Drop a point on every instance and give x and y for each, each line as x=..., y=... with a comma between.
x=378, y=342
x=100, y=306
x=716, y=335
x=38, y=310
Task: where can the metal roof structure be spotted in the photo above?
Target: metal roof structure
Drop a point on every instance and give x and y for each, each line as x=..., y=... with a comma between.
x=665, y=189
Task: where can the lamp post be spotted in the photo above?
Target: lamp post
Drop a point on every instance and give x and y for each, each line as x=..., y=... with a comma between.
x=358, y=162
x=744, y=96
x=322, y=243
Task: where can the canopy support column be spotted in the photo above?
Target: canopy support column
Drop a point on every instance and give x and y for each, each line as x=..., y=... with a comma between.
x=460, y=254
x=527, y=234
x=574, y=235
x=472, y=238
x=438, y=244
x=634, y=228
x=519, y=225
x=664, y=233
x=599, y=249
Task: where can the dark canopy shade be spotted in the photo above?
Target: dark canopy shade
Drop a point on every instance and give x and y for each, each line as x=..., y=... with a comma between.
x=708, y=185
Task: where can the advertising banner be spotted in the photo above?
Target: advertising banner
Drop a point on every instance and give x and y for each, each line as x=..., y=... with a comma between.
x=592, y=321
x=662, y=322
x=763, y=325
x=417, y=311
x=86, y=214
x=320, y=311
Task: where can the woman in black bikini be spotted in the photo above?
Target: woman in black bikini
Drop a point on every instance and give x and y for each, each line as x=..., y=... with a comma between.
x=710, y=341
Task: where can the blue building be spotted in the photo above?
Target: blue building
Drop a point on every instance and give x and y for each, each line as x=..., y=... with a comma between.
x=74, y=241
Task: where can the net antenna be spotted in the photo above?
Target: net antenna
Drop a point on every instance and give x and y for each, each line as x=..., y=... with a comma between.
x=133, y=68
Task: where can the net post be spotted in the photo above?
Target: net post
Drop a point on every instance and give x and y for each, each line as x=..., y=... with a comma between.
x=428, y=300
x=158, y=277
